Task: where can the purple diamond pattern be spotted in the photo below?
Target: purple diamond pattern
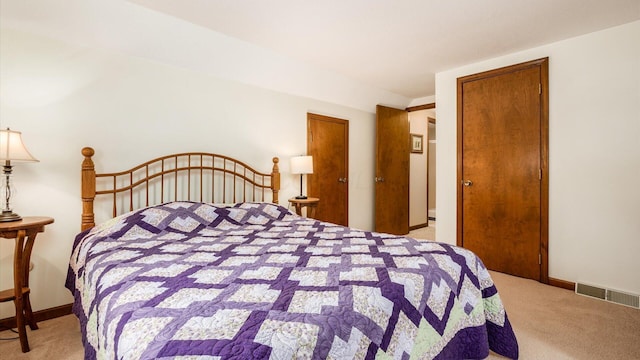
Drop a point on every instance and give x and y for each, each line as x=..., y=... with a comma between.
x=254, y=280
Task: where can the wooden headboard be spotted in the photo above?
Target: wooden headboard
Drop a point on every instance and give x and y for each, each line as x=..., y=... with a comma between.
x=202, y=177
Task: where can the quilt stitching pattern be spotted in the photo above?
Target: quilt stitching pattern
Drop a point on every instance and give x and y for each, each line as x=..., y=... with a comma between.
x=254, y=280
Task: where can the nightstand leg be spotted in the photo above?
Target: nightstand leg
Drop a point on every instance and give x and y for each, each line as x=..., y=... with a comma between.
x=22, y=331
x=28, y=313
x=26, y=256
x=18, y=278
x=311, y=211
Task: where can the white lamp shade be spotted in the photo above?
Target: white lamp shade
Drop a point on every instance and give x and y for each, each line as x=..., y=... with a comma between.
x=302, y=165
x=12, y=148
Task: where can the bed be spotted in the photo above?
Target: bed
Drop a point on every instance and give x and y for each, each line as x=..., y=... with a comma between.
x=184, y=276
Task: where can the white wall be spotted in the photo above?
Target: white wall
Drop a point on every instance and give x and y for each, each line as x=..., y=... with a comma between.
x=594, y=130
x=63, y=97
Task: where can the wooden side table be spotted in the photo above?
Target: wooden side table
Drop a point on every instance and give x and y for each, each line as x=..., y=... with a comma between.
x=310, y=203
x=27, y=228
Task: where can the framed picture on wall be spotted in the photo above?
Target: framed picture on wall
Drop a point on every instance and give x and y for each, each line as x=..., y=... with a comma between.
x=416, y=144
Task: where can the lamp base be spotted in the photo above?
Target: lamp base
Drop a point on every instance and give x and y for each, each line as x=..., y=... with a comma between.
x=8, y=216
x=301, y=197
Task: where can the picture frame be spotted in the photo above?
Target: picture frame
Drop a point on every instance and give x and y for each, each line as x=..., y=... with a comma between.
x=416, y=144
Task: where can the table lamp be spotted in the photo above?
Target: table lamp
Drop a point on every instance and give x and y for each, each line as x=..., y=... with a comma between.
x=302, y=165
x=11, y=149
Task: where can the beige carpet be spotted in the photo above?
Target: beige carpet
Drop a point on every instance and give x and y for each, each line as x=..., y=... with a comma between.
x=553, y=323
x=55, y=339
x=550, y=323
x=426, y=233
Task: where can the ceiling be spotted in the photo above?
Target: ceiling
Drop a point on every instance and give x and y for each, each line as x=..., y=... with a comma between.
x=399, y=45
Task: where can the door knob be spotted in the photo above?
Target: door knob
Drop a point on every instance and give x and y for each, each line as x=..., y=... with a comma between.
x=379, y=179
x=342, y=180
x=467, y=183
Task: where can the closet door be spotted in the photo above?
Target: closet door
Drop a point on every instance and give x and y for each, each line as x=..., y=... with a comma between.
x=502, y=168
x=328, y=143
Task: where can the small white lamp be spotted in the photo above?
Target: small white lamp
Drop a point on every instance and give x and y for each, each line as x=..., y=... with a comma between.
x=302, y=165
x=11, y=149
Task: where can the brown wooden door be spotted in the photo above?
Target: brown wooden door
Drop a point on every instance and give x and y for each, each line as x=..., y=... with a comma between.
x=502, y=149
x=392, y=170
x=328, y=143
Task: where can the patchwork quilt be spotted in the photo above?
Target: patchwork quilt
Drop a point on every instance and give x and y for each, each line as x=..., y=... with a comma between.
x=188, y=280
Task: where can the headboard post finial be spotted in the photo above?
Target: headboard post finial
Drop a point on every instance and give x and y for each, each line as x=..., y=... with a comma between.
x=88, y=177
x=275, y=179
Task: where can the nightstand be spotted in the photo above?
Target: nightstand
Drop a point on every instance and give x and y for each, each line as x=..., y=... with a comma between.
x=27, y=228
x=310, y=203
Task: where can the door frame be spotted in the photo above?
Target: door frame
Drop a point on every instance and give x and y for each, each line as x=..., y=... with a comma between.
x=543, y=63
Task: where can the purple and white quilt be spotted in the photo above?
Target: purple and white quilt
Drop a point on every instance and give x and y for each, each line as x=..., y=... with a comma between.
x=189, y=280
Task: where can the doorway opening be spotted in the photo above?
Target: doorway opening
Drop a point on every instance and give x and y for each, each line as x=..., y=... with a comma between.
x=422, y=201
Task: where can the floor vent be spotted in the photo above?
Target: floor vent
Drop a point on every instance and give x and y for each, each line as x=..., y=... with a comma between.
x=613, y=296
